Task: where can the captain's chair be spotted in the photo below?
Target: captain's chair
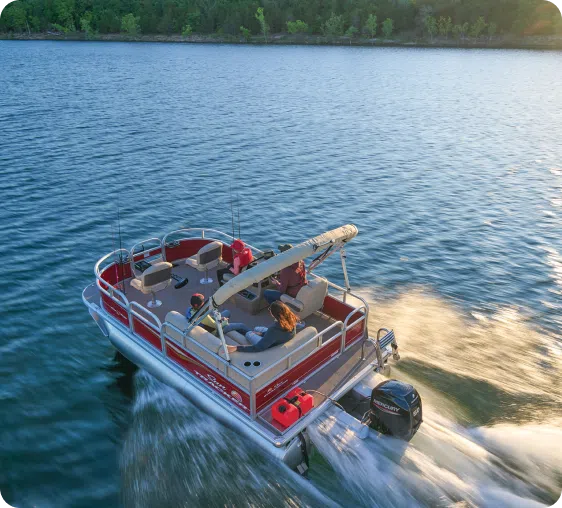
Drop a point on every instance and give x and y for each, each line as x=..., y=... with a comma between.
x=156, y=278
x=309, y=299
x=207, y=258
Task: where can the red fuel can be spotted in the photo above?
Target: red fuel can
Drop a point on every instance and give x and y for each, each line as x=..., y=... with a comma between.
x=305, y=400
x=285, y=413
x=289, y=409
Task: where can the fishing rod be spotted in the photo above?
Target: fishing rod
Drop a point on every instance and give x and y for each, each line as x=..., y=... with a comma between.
x=232, y=211
x=120, y=249
x=238, y=205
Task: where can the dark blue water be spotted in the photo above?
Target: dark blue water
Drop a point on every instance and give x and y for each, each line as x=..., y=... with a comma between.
x=448, y=161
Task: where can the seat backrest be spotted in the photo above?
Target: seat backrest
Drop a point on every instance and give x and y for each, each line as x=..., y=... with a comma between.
x=210, y=255
x=312, y=296
x=157, y=277
x=254, y=363
x=202, y=338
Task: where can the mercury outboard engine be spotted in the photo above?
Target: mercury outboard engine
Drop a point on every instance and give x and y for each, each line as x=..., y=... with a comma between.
x=396, y=409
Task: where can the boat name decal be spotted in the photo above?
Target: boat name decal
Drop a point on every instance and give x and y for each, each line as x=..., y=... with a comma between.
x=215, y=383
x=276, y=385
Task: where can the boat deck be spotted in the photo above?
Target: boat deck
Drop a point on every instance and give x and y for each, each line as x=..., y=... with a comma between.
x=179, y=300
x=326, y=381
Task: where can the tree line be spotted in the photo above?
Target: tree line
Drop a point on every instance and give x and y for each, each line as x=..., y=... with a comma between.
x=245, y=18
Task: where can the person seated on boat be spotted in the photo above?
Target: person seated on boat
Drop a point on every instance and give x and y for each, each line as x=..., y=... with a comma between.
x=208, y=322
x=241, y=257
x=291, y=279
x=283, y=330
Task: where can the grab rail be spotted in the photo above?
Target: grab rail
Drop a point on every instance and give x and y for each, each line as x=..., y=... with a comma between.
x=302, y=346
x=186, y=338
x=347, y=325
x=202, y=232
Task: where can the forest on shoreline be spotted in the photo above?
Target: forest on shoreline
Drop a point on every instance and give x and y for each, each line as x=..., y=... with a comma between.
x=257, y=20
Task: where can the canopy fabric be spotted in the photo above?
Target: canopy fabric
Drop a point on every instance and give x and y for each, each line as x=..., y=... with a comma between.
x=266, y=268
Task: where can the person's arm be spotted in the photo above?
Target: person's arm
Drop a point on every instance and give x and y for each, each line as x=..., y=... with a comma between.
x=266, y=342
x=283, y=280
x=235, y=266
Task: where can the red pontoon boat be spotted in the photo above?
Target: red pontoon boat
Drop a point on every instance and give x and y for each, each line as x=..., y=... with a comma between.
x=139, y=300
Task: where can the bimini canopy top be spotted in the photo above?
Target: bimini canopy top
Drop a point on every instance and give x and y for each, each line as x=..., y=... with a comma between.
x=264, y=269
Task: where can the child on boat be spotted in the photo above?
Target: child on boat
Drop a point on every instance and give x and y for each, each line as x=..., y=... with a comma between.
x=197, y=301
x=241, y=257
x=208, y=323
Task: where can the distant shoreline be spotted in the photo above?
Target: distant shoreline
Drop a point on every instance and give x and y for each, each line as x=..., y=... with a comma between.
x=498, y=42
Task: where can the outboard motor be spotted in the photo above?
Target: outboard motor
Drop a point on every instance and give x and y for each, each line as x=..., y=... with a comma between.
x=396, y=409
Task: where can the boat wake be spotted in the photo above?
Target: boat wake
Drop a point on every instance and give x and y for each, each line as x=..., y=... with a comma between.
x=444, y=464
x=490, y=435
x=480, y=368
x=175, y=455
x=492, y=427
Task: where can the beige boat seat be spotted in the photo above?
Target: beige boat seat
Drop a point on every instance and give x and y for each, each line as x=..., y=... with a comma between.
x=252, y=364
x=309, y=299
x=207, y=258
x=156, y=278
x=202, y=338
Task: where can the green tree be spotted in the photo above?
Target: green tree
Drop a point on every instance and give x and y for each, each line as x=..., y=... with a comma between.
x=371, y=25
x=264, y=27
x=350, y=32
x=333, y=27
x=246, y=33
x=86, y=25
x=130, y=24
x=430, y=26
x=444, y=25
x=456, y=31
x=478, y=27
x=492, y=28
x=14, y=17
x=459, y=31
x=186, y=31
x=387, y=27
x=64, y=14
x=298, y=26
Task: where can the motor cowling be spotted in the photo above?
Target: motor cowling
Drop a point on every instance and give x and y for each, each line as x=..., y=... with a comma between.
x=396, y=409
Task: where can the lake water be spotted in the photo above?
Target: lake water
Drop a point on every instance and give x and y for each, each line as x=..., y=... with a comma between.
x=448, y=161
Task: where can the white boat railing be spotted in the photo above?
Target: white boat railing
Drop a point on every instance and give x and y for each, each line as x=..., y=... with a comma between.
x=134, y=310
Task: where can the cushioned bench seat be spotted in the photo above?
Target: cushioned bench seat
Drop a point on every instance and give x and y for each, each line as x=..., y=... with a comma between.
x=252, y=364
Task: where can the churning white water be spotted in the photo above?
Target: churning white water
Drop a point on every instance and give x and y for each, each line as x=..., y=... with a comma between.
x=462, y=367
x=175, y=455
x=490, y=436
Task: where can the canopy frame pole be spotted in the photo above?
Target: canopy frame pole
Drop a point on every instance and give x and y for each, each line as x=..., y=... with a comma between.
x=343, y=257
x=217, y=316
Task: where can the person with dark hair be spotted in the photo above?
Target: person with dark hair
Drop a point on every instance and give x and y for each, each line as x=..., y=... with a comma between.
x=208, y=323
x=197, y=301
x=283, y=330
x=241, y=257
x=291, y=279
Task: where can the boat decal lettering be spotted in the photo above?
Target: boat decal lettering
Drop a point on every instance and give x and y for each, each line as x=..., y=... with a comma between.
x=219, y=387
x=386, y=407
x=276, y=385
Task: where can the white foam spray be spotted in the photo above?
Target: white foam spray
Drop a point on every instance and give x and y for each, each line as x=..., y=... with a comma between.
x=447, y=463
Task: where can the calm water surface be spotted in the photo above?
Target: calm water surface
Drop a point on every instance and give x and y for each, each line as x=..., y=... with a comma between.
x=448, y=161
